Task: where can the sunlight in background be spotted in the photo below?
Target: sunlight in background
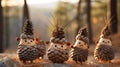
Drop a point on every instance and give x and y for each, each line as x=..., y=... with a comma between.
x=50, y=1
x=72, y=1
x=40, y=1
x=20, y=2
x=12, y=2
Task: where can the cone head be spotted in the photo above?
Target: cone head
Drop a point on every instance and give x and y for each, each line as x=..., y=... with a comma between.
x=27, y=30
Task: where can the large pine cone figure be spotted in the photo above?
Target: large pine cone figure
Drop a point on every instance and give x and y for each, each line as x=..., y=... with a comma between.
x=79, y=54
x=27, y=53
x=41, y=49
x=58, y=50
x=104, y=52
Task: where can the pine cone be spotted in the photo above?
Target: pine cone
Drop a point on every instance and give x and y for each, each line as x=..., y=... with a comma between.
x=104, y=52
x=79, y=54
x=27, y=53
x=58, y=33
x=57, y=56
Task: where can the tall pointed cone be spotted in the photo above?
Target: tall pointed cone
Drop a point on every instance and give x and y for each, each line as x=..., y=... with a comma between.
x=25, y=11
x=27, y=30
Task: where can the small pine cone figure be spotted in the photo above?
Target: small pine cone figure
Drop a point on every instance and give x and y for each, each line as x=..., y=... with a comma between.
x=41, y=48
x=104, y=52
x=27, y=48
x=79, y=51
x=58, y=50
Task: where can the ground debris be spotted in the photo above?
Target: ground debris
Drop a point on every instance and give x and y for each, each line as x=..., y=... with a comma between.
x=13, y=61
x=8, y=62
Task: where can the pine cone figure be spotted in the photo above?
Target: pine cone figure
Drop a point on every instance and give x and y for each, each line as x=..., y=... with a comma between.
x=58, y=50
x=41, y=48
x=104, y=53
x=27, y=53
x=79, y=52
x=27, y=49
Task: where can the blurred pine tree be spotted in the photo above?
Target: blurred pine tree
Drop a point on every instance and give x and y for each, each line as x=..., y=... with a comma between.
x=112, y=13
x=1, y=28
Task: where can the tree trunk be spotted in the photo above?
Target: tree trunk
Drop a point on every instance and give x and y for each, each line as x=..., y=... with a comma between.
x=88, y=3
x=78, y=16
x=112, y=13
x=25, y=11
x=6, y=20
x=1, y=28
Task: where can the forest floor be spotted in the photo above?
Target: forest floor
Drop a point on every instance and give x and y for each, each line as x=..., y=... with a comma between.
x=11, y=60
